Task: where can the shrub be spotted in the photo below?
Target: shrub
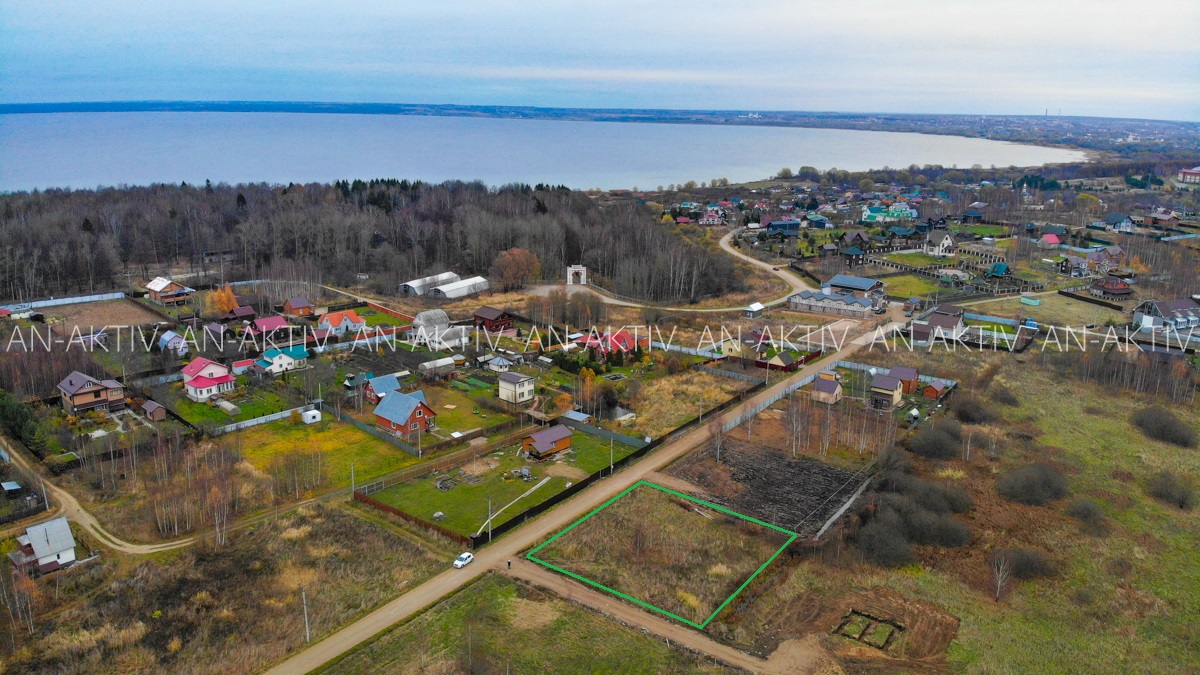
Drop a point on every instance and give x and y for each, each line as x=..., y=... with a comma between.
x=969, y=409
x=935, y=442
x=921, y=525
x=1036, y=485
x=884, y=545
x=1027, y=564
x=1003, y=396
x=1159, y=424
x=1172, y=489
x=1088, y=513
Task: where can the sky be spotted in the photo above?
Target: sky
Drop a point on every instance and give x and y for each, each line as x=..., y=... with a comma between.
x=1099, y=57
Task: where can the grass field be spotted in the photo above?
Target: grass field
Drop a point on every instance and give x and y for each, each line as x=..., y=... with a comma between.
x=1124, y=601
x=916, y=259
x=908, y=285
x=461, y=417
x=664, y=403
x=1055, y=310
x=986, y=230
x=341, y=445
x=232, y=610
x=495, y=625
x=257, y=402
x=680, y=557
x=466, y=504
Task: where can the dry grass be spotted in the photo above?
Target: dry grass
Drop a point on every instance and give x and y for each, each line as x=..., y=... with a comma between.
x=667, y=402
x=229, y=610
x=661, y=549
x=1055, y=309
x=89, y=315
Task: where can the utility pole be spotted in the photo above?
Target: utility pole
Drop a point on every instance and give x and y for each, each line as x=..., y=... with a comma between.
x=352, y=480
x=489, y=520
x=304, y=599
x=610, y=456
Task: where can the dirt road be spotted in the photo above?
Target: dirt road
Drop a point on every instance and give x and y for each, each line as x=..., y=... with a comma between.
x=804, y=660
x=794, y=281
x=510, y=547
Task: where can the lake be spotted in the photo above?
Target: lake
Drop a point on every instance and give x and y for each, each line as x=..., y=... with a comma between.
x=86, y=150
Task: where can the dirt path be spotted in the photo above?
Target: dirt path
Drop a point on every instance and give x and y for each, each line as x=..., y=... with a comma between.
x=805, y=659
x=794, y=281
x=510, y=547
x=677, y=484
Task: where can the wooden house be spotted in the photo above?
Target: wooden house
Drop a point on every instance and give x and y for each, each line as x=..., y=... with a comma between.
x=163, y=291
x=81, y=393
x=298, y=306
x=548, y=442
x=405, y=414
x=826, y=391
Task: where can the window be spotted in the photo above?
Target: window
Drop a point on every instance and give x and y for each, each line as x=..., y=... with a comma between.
x=414, y=426
x=420, y=413
x=97, y=395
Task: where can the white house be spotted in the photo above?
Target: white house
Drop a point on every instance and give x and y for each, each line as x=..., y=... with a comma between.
x=44, y=547
x=171, y=341
x=754, y=311
x=203, y=379
x=939, y=243
x=516, y=387
x=276, y=361
x=339, y=323
x=499, y=364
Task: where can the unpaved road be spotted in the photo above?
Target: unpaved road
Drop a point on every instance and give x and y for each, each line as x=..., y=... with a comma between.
x=794, y=281
x=803, y=658
x=510, y=547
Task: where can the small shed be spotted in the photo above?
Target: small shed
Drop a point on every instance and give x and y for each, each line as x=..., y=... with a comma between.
x=826, y=391
x=934, y=390
x=154, y=411
x=754, y=311
x=12, y=489
x=311, y=416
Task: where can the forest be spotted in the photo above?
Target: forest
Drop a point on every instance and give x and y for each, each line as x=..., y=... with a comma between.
x=61, y=241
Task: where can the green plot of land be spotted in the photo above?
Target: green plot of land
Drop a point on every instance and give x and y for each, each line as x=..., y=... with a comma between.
x=908, y=285
x=465, y=505
x=255, y=403
x=502, y=626
x=915, y=259
x=462, y=417
x=341, y=445
x=987, y=230
x=591, y=453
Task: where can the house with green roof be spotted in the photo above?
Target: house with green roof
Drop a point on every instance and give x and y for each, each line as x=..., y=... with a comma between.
x=276, y=361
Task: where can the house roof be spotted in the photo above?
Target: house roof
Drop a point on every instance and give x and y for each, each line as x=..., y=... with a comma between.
x=398, y=406
x=151, y=406
x=949, y=310
x=576, y=416
x=853, y=250
x=241, y=311
x=384, y=384
x=937, y=384
x=903, y=373
x=885, y=382
x=490, y=313
x=850, y=281
x=834, y=297
x=75, y=381
x=295, y=351
x=825, y=386
x=169, y=337
x=946, y=322
x=199, y=363
x=270, y=323
x=160, y=284
x=514, y=378
x=500, y=361
x=335, y=319
x=298, y=302
x=784, y=358
x=544, y=440
x=206, y=382
x=756, y=307
x=51, y=537
x=1051, y=239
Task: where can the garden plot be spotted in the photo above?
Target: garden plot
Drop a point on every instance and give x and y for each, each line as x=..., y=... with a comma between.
x=89, y=316
x=797, y=494
x=665, y=551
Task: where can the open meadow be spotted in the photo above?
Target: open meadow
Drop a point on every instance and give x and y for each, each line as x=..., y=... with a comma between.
x=1055, y=310
x=664, y=403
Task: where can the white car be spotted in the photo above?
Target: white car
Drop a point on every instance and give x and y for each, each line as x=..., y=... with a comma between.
x=463, y=560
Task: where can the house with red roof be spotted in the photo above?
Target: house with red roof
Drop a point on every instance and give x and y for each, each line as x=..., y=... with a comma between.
x=203, y=379
x=340, y=322
x=268, y=325
x=1049, y=241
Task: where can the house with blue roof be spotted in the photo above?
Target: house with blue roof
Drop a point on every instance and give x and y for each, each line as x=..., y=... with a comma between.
x=788, y=228
x=379, y=387
x=276, y=361
x=404, y=414
x=171, y=341
x=852, y=285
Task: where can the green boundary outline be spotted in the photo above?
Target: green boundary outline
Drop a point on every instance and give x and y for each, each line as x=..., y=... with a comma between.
x=533, y=558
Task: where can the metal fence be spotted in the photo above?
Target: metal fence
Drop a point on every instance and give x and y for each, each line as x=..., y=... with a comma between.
x=156, y=380
x=602, y=433
x=265, y=419
x=684, y=350
x=729, y=373
x=766, y=403
x=54, y=302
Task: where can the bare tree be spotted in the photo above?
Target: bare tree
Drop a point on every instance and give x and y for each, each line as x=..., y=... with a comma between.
x=1001, y=567
x=793, y=422
x=716, y=432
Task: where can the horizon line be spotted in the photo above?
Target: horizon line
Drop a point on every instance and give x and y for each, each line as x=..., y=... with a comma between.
x=352, y=107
